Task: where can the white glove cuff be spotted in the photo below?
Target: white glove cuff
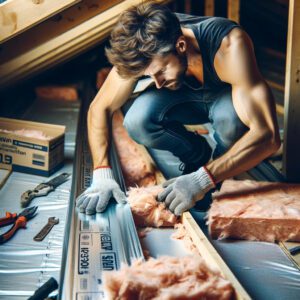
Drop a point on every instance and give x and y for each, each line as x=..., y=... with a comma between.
x=102, y=173
x=205, y=179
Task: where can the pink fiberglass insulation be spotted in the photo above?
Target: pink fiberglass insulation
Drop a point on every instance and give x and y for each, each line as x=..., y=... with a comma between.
x=67, y=93
x=182, y=234
x=136, y=169
x=38, y=134
x=254, y=210
x=167, y=278
x=146, y=210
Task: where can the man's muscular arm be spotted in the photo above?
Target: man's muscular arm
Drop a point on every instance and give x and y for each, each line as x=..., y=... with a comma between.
x=114, y=92
x=112, y=95
x=235, y=63
x=254, y=103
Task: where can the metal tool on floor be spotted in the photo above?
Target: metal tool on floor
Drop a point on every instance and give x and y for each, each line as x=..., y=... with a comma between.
x=19, y=221
x=43, y=189
x=295, y=250
x=46, y=229
x=43, y=291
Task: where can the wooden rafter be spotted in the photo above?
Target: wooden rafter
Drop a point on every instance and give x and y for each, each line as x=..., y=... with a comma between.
x=233, y=10
x=17, y=16
x=291, y=146
x=76, y=30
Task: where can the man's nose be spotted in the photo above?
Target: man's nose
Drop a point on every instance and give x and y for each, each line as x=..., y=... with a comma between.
x=159, y=81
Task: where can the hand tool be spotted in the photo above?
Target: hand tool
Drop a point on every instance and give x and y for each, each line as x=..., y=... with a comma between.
x=294, y=250
x=19, y=221
x=43, y=189
x=46, y=229
x=43, y=291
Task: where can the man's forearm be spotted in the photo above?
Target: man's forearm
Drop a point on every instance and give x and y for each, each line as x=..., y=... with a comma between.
x=246, y=153
x=98, y=135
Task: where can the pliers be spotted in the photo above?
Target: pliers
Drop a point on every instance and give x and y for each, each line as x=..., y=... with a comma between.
x=19, y=221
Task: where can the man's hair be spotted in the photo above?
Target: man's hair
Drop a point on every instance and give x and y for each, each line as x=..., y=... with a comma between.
x=142, y=32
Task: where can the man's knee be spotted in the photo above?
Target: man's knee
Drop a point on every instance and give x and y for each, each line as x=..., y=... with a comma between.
x=138, y=120
x=136, y=126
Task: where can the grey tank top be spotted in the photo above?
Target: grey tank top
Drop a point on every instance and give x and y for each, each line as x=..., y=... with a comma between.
x=209, y=32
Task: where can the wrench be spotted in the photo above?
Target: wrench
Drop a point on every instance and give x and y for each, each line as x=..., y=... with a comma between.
x=46, y=229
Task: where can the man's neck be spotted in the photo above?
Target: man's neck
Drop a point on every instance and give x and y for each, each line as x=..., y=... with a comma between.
x=194, y=58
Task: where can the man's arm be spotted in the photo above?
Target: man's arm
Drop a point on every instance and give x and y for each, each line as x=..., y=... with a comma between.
x=254, y=103
x=114, y=92
x=112, y=95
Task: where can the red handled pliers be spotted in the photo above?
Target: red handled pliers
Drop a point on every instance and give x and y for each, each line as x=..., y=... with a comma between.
x=19, y=221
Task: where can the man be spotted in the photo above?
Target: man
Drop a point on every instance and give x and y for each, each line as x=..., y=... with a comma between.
x=204, y=69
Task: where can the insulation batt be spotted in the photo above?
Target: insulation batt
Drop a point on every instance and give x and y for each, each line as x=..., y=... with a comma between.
x=38, y=134
x=67, y=93
x=182, y=234
x=253, y=210
x=136, y=169
x=167, y=278
x=146, y=210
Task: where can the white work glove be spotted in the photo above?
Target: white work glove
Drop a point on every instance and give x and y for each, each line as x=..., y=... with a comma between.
x=97, y=196
x=181, y=193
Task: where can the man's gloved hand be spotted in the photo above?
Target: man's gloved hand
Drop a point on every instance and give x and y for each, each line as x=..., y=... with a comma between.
x=103, y=188
x=181, y=193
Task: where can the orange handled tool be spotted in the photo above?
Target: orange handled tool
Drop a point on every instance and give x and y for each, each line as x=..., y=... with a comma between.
x=18, y=221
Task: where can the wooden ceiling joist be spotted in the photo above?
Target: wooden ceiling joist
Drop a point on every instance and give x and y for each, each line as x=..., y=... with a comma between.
x=17, y=16
x=91, y=23
x=291, y=145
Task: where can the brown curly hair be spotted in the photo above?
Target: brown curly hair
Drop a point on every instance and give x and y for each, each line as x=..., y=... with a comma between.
x=142, y=32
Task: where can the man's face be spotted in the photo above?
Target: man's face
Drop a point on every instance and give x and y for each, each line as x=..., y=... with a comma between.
x=168, y=71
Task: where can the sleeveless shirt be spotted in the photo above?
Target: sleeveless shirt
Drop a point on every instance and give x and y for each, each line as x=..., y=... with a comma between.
x=209, y=32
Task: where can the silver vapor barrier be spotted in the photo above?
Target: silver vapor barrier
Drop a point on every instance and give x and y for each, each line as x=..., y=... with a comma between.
x=262, y=268
x=97, y=243
x=26, y=264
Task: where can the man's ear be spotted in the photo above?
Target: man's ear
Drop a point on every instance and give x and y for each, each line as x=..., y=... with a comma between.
x=181, y=45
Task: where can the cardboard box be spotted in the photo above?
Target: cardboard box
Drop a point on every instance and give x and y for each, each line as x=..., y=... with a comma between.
x=30, y=154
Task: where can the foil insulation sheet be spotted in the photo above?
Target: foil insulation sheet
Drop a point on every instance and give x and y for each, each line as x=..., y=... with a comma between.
x=24, y=263
x=262, y=268
x=100, y=242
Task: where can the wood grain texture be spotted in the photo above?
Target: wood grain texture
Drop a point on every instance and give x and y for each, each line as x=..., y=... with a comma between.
x=19, y=15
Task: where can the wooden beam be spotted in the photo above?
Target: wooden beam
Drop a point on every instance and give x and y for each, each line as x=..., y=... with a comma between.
x=291, y=146
x=209, y=7
x=49, y=45
x=187, y=6
x=17, y=16
x=233, y=10
x=211, y=256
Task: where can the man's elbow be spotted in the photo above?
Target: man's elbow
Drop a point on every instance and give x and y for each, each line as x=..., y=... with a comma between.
x=272, y=139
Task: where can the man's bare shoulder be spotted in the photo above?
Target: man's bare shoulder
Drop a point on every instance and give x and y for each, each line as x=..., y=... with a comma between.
x=233, y=38
x=235, y=60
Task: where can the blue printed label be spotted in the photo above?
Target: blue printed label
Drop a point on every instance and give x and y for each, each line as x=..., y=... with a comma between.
x=30, y=145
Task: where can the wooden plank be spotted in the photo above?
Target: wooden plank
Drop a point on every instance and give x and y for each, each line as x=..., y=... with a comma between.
x=35, y=59
x=209, y=7
x=19, y=15
x=233, y=10
x=209, y=253
x=187, y=6
x=279, y=109
x=286, y=246
x=291, y=146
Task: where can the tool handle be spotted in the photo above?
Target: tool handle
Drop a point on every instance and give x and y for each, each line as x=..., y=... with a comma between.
x=8, y=219
x=20, y=223
x=44, y=231
x=41, y=190
x=43, y=291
